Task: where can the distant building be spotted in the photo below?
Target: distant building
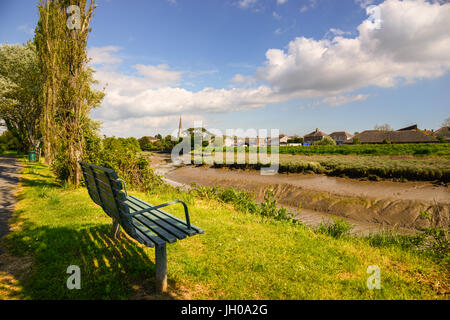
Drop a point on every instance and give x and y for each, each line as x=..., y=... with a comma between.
x=413, y=127
x=443, y=132
x=340, y=137
x=314, y=136
x=282, y=140
x=258, y=142
x=405, y=136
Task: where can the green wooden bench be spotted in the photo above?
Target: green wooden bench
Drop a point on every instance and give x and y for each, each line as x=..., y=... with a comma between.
x=147, y=224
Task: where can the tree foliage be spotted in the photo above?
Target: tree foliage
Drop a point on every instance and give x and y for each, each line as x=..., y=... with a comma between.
x=383, y=127
x=326, y=141
x=9, y=142
x=20, y=87
x=446, y=122
x=67, y=96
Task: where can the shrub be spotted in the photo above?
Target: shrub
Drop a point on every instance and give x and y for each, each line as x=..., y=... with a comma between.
x=144, y=143
x=9, y=142
x=122, y=155
x=269, y=207
x=337, y=229
x=326, y=141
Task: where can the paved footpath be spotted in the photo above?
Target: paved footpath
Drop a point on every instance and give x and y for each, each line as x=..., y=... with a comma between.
x=9, y=178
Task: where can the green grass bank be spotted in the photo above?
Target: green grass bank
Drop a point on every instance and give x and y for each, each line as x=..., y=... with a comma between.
x=241, y=256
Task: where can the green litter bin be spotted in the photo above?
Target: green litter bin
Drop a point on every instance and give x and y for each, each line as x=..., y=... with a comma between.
x=32, y=156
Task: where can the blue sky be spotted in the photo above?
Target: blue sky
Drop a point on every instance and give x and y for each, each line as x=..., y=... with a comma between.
x=294, y=65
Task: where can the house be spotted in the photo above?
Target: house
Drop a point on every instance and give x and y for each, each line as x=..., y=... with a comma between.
x=443, y=132
x=151, y=139
x=407, y=136
x=314, y=136
x=258, y=142
x=224, y=141
x=282, y=140
x=340, y=137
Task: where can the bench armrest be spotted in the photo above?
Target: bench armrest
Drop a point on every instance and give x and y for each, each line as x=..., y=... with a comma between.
x=186, y=211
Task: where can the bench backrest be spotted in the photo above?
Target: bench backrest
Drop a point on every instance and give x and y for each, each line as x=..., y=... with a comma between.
x=105, y=189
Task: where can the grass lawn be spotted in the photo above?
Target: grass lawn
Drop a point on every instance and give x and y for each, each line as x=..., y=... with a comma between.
x=241, y=256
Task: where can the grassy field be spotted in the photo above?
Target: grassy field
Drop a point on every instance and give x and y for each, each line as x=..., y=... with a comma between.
x=412, y=149
x=241, y=256
x=372, y=167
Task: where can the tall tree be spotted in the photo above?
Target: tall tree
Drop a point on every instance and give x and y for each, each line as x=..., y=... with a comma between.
x=61, y=39
x=20, y=87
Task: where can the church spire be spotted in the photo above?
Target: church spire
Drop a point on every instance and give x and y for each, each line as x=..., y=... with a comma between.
x=180, y=129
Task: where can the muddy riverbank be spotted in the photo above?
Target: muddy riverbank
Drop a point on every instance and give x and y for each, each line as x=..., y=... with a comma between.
x=383, y=204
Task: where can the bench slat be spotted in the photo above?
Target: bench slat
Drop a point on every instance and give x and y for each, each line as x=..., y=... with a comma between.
x=141, y=238
x=103, y=184
x=148, y=234
x=160, y=222
x=156, y=229
x=102, y=175
x=177, y=222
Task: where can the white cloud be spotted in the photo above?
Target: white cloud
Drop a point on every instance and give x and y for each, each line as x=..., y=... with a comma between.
x=340, y=100
x=244, y=80
x=25, y=28
x=104, y=55
x=160, y=75
x=145, y=126
x=310, y=5
x=276, y=15
x=246, y=3
x=364, y=3
x=281, y=1
x=339, y=32
x=413, y=43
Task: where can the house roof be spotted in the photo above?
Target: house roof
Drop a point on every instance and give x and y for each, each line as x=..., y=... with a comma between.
x=411, y=136
x=413, y=127
x=341, y=133
x=316, y=133
x=151, y=138
x=443, y=132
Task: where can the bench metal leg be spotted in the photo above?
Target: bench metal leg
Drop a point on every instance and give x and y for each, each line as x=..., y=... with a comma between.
x=161, y=268
x=115, y=229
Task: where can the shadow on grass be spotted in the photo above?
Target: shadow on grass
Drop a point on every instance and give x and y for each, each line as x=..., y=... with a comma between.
x=110, y=269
